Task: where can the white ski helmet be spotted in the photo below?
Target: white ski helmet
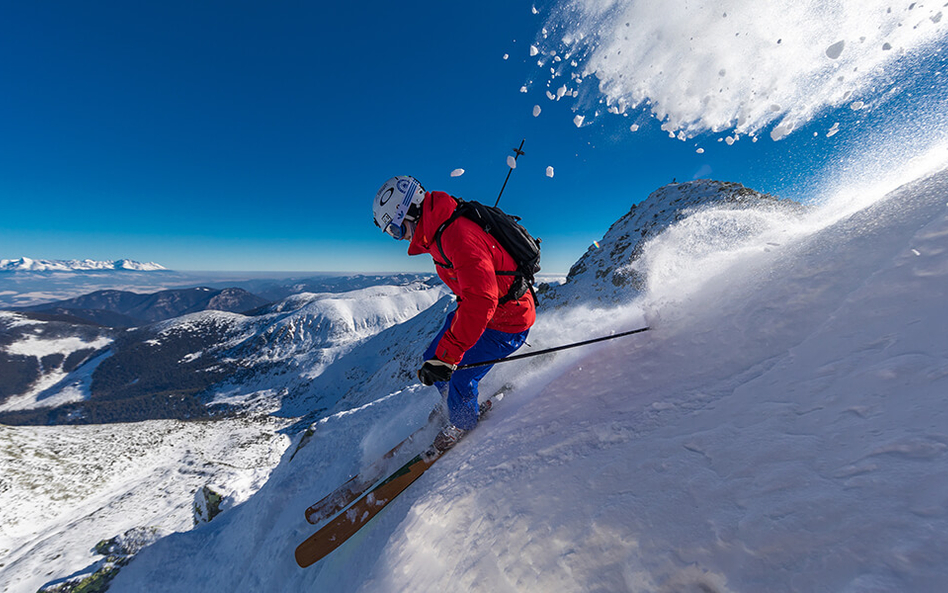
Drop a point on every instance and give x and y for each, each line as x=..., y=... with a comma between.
x=398, y=199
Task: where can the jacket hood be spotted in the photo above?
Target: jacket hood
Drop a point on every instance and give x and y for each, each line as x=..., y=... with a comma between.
x=436, y=208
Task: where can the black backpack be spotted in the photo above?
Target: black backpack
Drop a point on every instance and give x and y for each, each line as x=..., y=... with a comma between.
x=523, y=248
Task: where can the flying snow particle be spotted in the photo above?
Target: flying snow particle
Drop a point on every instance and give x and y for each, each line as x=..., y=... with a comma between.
x=536, y=110
x=857, y=105
x=634, y=128
x=916, y=252
x=506, y=56
x=832, y=131
x=835, y=50
x=886, y=46
x=550, y=96
x=700, y=151
x=535, y=11
x=523, y=89
x=578, y=120
x=780, y=132
x=457, y=172
x=549, y=171
x=533, y=50
x=511, y=162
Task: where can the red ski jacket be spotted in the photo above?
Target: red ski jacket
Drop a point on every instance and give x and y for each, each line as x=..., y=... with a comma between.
x=476, y=258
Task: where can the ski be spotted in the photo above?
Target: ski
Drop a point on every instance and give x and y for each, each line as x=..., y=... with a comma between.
x=362, y=506
x=358, y=484
x=346, y=524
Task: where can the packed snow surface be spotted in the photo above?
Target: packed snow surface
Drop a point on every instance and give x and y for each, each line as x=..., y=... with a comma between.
x=780, y=428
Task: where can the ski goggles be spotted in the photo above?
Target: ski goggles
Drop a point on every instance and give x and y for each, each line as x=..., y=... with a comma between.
x=396, y=231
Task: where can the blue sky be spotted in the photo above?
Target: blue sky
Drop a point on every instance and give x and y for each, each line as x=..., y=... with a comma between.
x=252, y=136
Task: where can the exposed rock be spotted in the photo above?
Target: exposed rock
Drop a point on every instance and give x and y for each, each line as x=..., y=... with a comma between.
x=116, y=552
x=207, y=504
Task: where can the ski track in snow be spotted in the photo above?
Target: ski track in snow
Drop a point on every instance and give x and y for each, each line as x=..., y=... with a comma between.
x=780, y=429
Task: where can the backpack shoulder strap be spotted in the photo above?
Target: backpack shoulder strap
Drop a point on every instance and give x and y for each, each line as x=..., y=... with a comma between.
x=458, y=212
x=518, y=286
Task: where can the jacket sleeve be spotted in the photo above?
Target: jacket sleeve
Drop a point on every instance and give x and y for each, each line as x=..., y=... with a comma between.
x=472, y=257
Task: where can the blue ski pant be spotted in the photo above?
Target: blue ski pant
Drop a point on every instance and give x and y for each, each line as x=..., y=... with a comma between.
x=462, y=388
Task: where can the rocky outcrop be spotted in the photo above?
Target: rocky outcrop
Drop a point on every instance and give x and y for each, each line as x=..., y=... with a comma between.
x=604, y=274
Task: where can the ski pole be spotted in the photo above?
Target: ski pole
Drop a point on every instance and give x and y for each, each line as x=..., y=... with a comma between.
x=554, y=349
x=518, y=152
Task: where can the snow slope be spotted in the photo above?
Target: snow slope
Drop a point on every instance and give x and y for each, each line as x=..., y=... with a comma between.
x=781, y=428
x=64, y=489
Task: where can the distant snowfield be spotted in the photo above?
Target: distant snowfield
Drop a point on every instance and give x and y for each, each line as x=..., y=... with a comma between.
x=781, y=428
x=51, y=389
x=36, y=346
x=13, y=320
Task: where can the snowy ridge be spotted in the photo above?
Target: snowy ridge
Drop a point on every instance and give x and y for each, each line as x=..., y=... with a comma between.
x=269, y=358
x=25, y=264
x=606, y=275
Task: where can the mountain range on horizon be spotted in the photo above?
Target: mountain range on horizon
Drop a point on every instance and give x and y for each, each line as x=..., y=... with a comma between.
x=26, y=264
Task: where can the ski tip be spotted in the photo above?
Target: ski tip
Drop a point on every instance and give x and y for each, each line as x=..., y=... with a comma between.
x=302, y=560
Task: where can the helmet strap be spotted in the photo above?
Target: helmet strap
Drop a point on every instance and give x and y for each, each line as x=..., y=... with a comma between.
x=414, y=212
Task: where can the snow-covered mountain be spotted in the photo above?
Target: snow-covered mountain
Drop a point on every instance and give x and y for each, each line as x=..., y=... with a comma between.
x=778, y=429
x=120, y=308
x=80, y=373
x=25, y=264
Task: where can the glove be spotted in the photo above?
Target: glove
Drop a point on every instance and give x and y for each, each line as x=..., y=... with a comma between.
x=435, y=371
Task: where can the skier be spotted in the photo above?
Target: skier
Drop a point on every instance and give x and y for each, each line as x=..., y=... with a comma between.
x=486, y=324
